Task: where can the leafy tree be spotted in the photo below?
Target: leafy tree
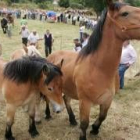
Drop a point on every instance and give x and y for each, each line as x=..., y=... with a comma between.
x=97, y=5
x=9, y=2
x=133, y=2
x=64, y=3
x=39, y=1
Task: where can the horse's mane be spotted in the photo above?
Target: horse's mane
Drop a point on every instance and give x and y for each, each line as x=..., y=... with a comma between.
x=29, y=68
x=96, y=36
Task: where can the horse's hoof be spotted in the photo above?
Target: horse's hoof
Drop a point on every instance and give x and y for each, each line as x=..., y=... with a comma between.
x=38, y=122
x=94, y=132
x=48, y=118
x=82, y=138
x=34, y=133
x=11, y=138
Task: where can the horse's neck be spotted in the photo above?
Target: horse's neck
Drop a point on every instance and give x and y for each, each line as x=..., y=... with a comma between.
x=109, y=53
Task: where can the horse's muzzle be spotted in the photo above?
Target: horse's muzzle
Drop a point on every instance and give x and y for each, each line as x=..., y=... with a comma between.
x=56, y=107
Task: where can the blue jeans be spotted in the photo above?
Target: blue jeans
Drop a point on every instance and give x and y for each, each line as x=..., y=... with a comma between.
x=122, y=69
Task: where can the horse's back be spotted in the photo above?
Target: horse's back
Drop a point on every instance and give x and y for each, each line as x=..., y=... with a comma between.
x=63, y=54
x=17, y=54
x=68, y=66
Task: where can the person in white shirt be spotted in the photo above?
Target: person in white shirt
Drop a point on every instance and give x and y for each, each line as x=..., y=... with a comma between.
x=128, y=57
x=24, y=34
x=81, y=31
x=33, y=38
x=85, y=39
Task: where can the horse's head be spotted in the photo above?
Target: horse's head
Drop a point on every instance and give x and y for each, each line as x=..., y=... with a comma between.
x=52, y=86
x=125, y=19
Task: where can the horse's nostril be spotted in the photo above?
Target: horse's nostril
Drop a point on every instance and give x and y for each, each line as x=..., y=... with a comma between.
x=57, y=111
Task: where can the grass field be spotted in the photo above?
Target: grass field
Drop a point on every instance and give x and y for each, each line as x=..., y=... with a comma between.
x=123, y=120
x=63, y=36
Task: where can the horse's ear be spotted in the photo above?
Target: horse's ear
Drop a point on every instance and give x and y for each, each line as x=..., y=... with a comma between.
x=46, y=69
x=60, y=63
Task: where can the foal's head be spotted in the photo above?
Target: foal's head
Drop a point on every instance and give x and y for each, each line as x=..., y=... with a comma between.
x=125, y=19
x=52, y=85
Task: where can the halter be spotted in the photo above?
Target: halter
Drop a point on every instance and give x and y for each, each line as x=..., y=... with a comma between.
x=122, y=27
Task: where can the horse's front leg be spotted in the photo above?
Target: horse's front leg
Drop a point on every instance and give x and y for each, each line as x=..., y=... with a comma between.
x=32, y=127
x=47, y=111
x=72, y=119
x=37, y=109
x=84, y=117
x=10, y=120
x=102, y=115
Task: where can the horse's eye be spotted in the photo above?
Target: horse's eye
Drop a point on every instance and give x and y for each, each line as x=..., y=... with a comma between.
x=124, y=14
x=50, y=88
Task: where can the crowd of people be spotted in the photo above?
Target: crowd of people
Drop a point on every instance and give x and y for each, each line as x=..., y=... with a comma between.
x=70, y=17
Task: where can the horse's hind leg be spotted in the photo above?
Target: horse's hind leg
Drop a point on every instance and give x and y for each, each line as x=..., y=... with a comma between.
x=102, y=115
x=69, y=110
x=10, y=120
x=32, y=127
x=47, y=111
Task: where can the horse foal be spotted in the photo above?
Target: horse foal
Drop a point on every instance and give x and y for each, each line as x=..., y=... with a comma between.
x=22, y=80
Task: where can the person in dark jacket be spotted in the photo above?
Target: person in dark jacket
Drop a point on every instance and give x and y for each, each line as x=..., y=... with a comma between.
x=48, y=42
x=4, y=26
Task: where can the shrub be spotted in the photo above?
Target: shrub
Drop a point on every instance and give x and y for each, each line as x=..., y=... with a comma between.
x=64, y=3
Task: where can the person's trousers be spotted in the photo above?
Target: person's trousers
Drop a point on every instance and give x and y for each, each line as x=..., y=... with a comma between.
x=4, y=29
x=122, y=70
x=25, y=41
x=48, y=50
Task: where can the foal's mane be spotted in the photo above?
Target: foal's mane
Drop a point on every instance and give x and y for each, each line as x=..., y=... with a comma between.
x=96, y=36
x=29, y=69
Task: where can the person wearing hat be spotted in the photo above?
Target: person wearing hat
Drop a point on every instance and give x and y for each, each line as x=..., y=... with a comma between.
x=24, y=34
x=33, y=38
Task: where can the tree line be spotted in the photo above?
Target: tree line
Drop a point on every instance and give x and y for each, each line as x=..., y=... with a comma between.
x=96, y=5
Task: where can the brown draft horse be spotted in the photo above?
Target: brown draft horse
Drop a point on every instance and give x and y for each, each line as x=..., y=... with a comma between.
x=89, y=76
x=21, y=80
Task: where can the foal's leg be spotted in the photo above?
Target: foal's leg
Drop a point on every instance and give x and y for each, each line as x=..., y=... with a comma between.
x=102, y=115
x=72, y=119
x=10, y=120
x=84, y=117
x=37, y=109
x=32, y=127
x=47, y=111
